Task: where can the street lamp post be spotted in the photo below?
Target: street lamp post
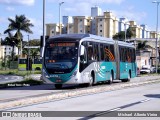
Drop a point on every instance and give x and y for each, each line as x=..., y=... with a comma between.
x=0, y=39
x=28, y=53
x=125, y=36
x=60, y=16
x=125, y=32
x=156, y=32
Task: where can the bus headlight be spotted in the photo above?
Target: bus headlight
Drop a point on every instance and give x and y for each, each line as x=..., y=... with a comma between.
x=74, y=73
x=45, y=74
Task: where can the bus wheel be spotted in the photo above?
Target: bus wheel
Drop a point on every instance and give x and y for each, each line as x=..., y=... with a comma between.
x=110, y=81
x=91, y=79
x=58, y=86
x=128, y=79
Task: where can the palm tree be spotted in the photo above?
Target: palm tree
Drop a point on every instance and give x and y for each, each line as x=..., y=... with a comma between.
x=34, y=52
x=21, y=23
x=142, y=45
x=121, y=35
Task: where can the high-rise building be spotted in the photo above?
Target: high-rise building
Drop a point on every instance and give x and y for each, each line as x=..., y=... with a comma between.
x=96, y=11
x=68, y=24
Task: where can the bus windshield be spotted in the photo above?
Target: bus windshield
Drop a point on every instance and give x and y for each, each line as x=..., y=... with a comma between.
x=61, y=57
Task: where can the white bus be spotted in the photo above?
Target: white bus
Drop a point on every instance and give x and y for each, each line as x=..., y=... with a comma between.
x=87, y=59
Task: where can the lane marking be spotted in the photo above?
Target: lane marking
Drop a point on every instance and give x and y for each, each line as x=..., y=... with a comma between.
x=146, y=100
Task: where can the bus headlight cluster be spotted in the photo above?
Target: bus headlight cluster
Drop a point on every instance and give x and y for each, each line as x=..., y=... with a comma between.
x=45, y=74
x=74, y=73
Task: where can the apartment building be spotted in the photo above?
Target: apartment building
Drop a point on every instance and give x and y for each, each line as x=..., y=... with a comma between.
x=107, y=25
x=137, y=29
x=52, y=29
x=6, y=50
x=145, y=31
x=82, y=24
x=123, y=24
x=153, y=34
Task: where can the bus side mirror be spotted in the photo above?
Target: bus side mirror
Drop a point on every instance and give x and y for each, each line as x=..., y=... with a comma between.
x=82, y=50
x=83, y=57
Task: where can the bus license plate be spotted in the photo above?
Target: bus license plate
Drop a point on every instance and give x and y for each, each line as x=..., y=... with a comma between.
x=58, y=80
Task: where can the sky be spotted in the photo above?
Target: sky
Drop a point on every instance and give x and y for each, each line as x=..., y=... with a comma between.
x=141, y=11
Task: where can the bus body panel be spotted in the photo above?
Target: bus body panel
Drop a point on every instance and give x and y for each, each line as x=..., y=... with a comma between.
x=104, y=71
x=124, y=70
x=62, y=78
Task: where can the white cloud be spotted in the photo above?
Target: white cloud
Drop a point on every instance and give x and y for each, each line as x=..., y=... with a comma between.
x=79, y=9
x=131, y=15
x=18, y=2
x=10, y=9
x=82, y=7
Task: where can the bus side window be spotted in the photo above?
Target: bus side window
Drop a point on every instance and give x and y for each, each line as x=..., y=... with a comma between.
x=112, y=53
x=90, y=51
x=102, y=52
x=106, y=49
x=96, y=55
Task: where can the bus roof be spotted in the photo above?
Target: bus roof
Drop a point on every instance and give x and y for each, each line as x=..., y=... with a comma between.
x=95, y=37
x=73, y=36
x=121, y=43
x=79, y=37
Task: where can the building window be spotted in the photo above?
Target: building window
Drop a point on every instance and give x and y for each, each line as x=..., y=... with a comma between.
x=80, y=30
x=100, y=19
x=80, y=20
x=100, y=25
x=100, y=30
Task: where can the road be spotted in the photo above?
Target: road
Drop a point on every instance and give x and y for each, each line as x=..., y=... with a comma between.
x=138, y=98
x=30, y=91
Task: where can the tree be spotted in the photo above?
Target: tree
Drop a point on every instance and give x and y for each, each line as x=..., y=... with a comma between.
x=32, y=52
x=21, y=23
x=142, y=45
x=121, y=34
x=34, y=42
